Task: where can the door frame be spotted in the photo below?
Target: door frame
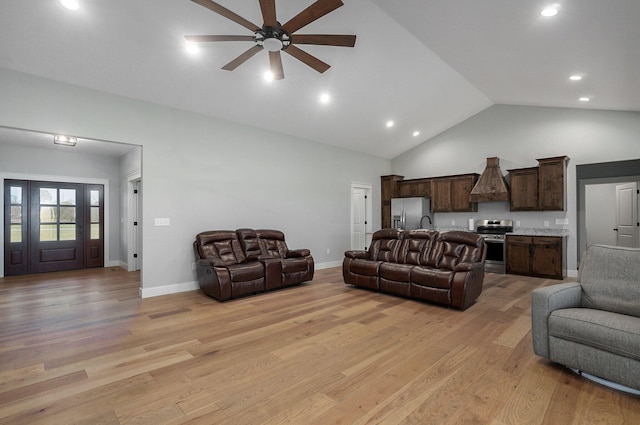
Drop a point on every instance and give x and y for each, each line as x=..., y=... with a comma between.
x=67, y=179
x=134, y=236
x=368, y=214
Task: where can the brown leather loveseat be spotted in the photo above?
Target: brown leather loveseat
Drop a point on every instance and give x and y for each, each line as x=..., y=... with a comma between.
x=230, y=264
x=445, y=268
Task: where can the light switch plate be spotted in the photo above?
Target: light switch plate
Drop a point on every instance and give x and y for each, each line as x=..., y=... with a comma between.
x=162, y=222
x=562, y=221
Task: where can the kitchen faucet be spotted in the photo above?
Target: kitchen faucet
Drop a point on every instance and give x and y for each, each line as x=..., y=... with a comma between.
x=422, y=218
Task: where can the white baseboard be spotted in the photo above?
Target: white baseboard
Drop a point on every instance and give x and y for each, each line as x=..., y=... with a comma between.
x=168, y=289
x=572, y=273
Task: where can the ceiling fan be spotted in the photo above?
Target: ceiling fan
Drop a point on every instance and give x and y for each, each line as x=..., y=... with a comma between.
x=275, y=37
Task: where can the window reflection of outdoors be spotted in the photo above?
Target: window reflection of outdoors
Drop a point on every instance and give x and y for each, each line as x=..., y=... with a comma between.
x=16, y=215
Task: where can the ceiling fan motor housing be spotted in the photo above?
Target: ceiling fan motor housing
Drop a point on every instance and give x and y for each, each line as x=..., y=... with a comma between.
x=273, y=39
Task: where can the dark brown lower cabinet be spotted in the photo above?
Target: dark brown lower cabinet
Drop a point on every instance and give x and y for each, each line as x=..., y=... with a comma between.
x=541, y=256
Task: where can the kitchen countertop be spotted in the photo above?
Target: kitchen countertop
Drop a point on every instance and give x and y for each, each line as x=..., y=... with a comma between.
x=524, y=231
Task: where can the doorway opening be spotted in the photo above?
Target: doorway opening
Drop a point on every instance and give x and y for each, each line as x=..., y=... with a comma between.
x=597, y=204
x=361, y=215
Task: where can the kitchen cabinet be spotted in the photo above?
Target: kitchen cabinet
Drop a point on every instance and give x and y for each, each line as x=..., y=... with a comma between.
x=541, y=188
x=524, y=189
x=451, y=194
x=552, y=183
x=540, y=256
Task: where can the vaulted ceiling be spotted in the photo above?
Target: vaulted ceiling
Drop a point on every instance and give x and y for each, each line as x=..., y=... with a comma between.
x=426, y=65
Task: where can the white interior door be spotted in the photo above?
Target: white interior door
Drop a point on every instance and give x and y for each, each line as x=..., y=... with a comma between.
x=358, y=218
x=627, y=215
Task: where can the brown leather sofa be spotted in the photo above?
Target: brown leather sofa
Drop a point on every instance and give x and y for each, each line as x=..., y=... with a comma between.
x=231, y=264
x=445, y=268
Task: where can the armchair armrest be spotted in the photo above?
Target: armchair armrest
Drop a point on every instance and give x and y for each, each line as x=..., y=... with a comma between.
x=465, y=267
x=361, y=254
x=296, y=253
x=543, y=302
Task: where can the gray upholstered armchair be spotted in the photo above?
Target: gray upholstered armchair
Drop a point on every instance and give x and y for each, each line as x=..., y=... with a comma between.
x=593, y=326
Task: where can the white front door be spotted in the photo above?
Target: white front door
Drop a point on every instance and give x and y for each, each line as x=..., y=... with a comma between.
x=358, y=218
x=627, y=231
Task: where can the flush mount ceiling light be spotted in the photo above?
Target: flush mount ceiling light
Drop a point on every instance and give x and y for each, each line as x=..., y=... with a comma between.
x=71, y=4
x=60, y=139
x=550, y=11
x=192, y=48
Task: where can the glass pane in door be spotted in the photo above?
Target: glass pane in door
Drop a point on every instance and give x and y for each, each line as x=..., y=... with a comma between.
x=48, y=196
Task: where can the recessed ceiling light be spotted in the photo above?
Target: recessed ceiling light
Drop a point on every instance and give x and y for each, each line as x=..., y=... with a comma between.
x=390, y=123
x=584, y=99
x=324, y=98
x=550, y=10
x=71, y=4
x=192, y=48
x=575, y=77
x=268, y=76
x=416, y=133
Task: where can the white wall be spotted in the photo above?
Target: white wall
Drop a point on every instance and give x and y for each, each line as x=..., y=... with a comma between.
x=518, y=135
x=204, y=173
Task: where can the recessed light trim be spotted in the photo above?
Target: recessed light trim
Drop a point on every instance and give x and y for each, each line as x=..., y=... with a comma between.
x=550, y=11
x=390, y=123
x=192, y=48
x=71, y=4
x=268, y=76
x=575, y=77
x=416, y=133
x=324, y=98
x=584, y=99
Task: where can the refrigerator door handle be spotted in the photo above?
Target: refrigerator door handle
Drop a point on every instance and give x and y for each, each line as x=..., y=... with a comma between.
x=403, y=219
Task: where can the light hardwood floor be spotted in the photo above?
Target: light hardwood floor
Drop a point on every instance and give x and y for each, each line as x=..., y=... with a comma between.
x=82, y=348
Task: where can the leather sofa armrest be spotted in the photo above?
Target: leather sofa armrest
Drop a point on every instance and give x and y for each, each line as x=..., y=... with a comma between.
x=465, y=267
x=363, y=255
x=297, y=253
x=543, y=302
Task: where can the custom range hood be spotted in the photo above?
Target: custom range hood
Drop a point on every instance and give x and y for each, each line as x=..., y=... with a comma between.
x=491, y=186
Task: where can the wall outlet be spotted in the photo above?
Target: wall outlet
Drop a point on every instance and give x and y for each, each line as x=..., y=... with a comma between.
x=453, y=222
x=546, y=223
x=517, y=223
x=562, y=221
x=328, y=251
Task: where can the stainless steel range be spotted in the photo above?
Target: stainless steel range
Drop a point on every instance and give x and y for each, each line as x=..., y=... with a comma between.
x=493, y=232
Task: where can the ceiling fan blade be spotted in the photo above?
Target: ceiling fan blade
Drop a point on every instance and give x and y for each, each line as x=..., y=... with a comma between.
x=324, y=39
x=315, y=11
x=268, y=8
x=242, y=58
x=221, y=10
x=205, y=38
x=276, y=65
x=308, y=59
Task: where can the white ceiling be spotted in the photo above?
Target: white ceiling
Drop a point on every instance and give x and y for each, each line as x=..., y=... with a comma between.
x=428, y=65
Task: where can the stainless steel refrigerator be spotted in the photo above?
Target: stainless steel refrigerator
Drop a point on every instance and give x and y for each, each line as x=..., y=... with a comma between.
x=411, y=213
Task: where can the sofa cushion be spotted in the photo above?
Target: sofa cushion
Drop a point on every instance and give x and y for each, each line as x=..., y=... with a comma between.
x=364, y=267
x=246, y=272
x=414, y=244
x=397, y=272
x=612, y=332
x=435, y=278
x=610, y=279
x=220, y=244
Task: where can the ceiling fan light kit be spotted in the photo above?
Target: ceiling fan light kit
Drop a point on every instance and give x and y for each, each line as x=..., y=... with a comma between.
x=276, y=38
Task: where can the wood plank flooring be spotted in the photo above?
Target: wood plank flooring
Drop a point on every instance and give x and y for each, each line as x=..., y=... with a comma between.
x=82, y=348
